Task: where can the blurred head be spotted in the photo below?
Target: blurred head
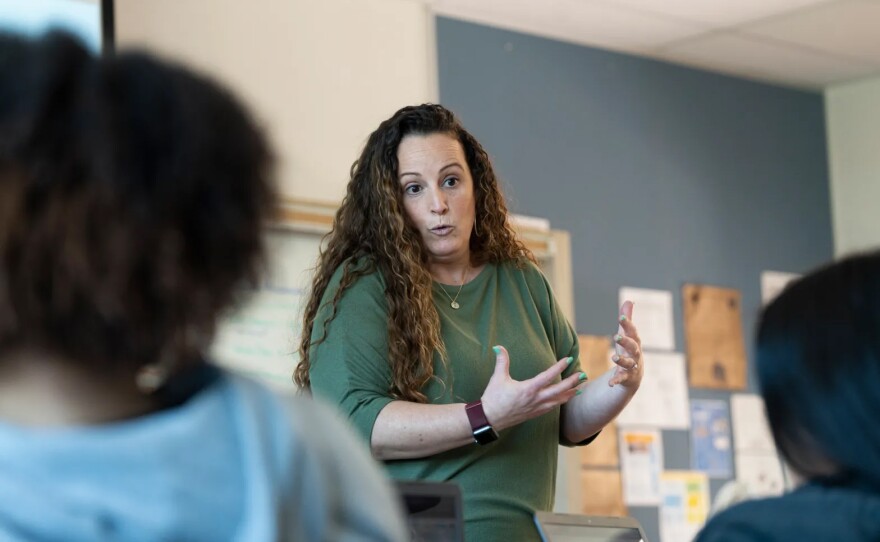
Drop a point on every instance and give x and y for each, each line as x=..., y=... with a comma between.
x=132, y=195
x=379, y=222
x=819, y=367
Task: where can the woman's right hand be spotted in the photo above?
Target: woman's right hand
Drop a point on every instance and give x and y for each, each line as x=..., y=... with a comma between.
x=508, y=402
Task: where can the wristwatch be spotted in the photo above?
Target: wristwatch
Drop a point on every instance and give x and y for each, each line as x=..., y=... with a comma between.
x=484, y=433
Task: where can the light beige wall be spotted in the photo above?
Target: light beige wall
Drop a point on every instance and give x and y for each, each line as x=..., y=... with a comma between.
x=853, y=117
x=319, y=74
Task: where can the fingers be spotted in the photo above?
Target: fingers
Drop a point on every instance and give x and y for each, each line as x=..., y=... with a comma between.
x=548, y=376
x=628, y=328
x=564, y=386
x=502, y=361
x=629, y=344
x=627, y=310
x=625, y=362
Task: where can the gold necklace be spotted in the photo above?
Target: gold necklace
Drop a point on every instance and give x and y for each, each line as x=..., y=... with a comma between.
x=454, y=300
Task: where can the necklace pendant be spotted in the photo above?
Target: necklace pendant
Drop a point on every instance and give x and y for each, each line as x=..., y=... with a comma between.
x=455, y=305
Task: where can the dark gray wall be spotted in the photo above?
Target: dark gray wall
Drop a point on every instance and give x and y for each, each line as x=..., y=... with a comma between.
x=662, y=174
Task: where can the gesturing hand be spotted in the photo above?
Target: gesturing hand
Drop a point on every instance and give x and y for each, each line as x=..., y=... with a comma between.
x=508, y=402
x=628, y=347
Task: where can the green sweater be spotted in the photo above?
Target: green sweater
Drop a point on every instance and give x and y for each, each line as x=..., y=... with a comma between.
x=504, y=482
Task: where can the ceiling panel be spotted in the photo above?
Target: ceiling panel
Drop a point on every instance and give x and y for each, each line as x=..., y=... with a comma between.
x=848, y=28
x=808, y=43
x=587, y=23
x=716, y=12
x=766, y=60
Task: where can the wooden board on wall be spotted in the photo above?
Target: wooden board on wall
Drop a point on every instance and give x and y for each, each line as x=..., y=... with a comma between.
x=602, y=493
x=603, y=451
x=714, y=335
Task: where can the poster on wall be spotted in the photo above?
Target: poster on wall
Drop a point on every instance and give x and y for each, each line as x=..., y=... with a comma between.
x=641, y=460
x=652, y=315
x=662, y=399
x=757, y=462
x=772, y=284
x=711, y=442
x=713, y=331
x=685, y=505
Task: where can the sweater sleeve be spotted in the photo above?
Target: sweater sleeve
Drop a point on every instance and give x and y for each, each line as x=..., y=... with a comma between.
x=349, y=354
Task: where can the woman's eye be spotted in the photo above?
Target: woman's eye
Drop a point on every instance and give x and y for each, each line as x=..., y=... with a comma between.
x=413, y=189
x=450, y=181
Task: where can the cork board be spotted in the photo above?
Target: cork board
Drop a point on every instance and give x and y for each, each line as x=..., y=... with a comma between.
x=713, y=332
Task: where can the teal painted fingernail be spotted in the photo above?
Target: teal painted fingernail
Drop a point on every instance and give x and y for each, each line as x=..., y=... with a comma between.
x=496, y=349
x=615, y=358
x=578, y=392
x=570, y=360
x=622, y=318
x=618, y=338
x=582, y=377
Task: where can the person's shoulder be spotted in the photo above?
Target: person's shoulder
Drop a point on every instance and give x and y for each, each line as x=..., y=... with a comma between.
x=810, y=512
x=523, y=267
x=366, y=274
x=749, y=521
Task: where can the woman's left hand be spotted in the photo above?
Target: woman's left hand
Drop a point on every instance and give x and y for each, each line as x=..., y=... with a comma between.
x=628, y=355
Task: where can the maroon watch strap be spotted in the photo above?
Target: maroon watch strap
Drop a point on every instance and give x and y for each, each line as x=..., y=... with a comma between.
x=476, y=415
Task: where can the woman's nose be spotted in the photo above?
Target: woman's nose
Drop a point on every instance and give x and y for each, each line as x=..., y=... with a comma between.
x=438, y=203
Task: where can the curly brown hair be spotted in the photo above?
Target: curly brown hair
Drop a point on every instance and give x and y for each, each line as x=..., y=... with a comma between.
x=371, y=231
x=133, y=195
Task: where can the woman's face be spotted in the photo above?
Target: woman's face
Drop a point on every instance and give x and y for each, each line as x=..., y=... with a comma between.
x=438, y=195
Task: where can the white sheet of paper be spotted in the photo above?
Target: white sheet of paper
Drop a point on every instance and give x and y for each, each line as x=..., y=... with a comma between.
x=641, y=460
x=761, y=473
x=750, y=430
x=662, y=398
x=772, y=283
x=685, y=504
x=652, y=315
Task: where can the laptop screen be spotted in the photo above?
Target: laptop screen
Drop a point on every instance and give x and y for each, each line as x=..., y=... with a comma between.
x=434, y=511
x=573, y=528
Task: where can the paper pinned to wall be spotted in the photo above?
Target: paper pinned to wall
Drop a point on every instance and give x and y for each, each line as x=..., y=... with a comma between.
x=757, y=461
x=713, y=331
x=652, y=314
x=711, y=442
x=662, y=399
x=761, y=473
x=602, y=493
x=641, y=460
x=751, y=432
x=772, y=284
x=685, y=504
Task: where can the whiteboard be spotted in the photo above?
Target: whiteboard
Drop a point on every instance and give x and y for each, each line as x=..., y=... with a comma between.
x=261, y=338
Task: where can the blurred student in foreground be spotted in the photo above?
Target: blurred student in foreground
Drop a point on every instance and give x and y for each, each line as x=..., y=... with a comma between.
x=818, y=361
x=132, y=197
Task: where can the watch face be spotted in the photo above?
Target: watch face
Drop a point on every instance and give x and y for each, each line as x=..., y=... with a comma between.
x=485, y=435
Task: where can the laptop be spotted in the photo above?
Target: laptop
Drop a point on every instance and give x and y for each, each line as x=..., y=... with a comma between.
x=575, y=528
x=434, y=511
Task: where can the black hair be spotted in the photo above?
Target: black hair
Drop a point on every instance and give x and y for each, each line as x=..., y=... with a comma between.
x=133, y=193
x=818, y=360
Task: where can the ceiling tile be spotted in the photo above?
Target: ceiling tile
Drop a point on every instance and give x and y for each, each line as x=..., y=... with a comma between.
x=849, y=28
x=581, y=22
x=757, y=58
x=718, y=13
